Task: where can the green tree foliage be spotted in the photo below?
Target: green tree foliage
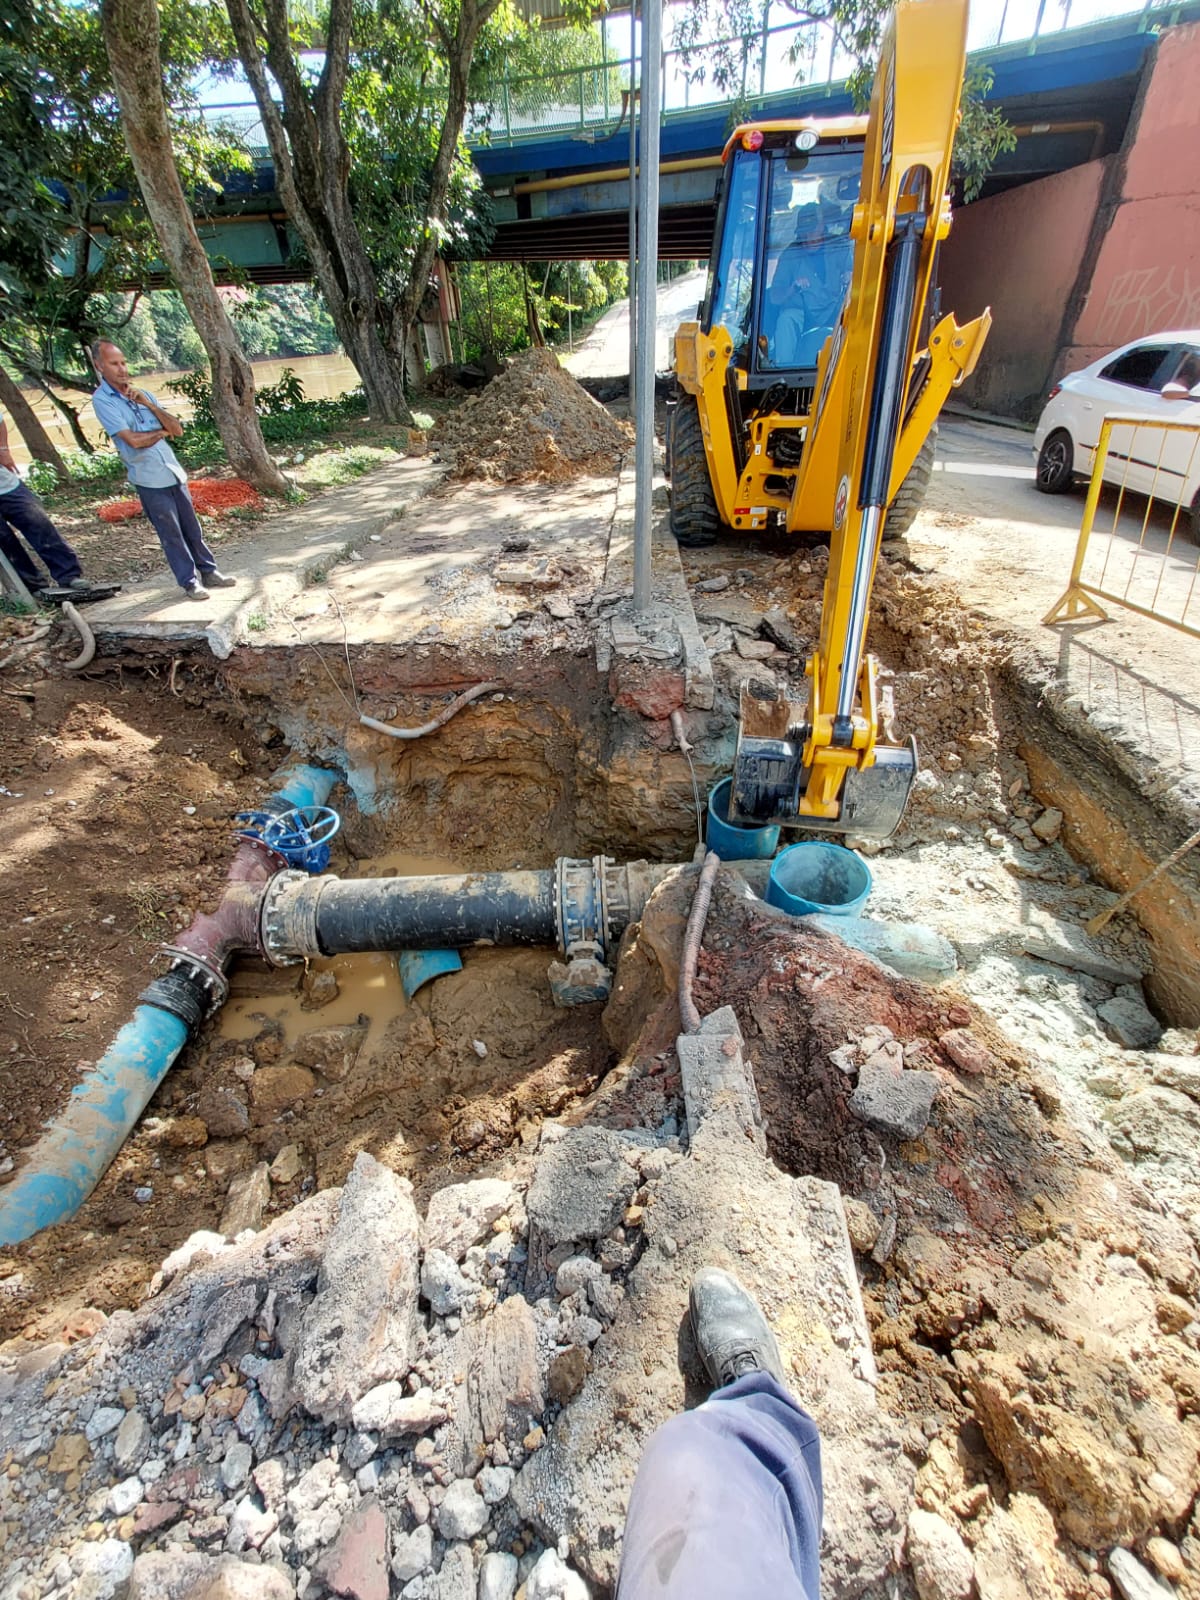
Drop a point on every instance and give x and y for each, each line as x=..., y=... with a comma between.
x=718, y=37
x=88, y=243
x=494, y=319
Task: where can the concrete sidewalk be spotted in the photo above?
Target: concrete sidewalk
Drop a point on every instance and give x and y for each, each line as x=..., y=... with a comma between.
x=291, y=553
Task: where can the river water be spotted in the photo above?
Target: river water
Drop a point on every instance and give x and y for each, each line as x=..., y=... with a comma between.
x=323, y=377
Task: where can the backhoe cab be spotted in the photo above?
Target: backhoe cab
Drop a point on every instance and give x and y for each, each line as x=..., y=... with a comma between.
x=809, y=397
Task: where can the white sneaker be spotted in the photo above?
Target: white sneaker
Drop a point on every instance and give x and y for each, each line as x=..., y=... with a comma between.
x=195, y=590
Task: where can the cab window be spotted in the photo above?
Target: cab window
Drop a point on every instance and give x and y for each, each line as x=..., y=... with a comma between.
x=734, y=274
x=808, y=258
x=1139, y=369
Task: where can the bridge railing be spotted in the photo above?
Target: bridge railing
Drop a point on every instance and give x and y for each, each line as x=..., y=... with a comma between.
x=587, y=100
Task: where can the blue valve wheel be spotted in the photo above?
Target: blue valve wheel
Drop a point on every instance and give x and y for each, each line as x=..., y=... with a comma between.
x=302, y=836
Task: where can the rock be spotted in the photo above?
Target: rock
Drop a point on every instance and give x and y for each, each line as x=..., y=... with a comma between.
x=443, y=1285
x=356, y=1564
x=224, y=1112
x=463, y=1214
x=777, y=626
x=269, y=1481
x=495, y=1484
x=891, y=1099
x=1130, y=1022
x=567, y=1372
x=862, y=1224
x=582, y=1186
x=605, y=1296
x=320, y=988
x=276, y=1089
x=504, y=1381
x=167, y=1575
x=1132, y=1579
x=714, y=585
x=249, y=1528
x=132, y=1441
x=101, y=1569
x=966, y=1052
x=653, y=692
x=1166, y=1558
x=246, y=1201
x=232, y=1579
x=498, y=1576
x=1049, y=825
x=358, y=1330
x=103, y=1421
x=195, y=1248
x=124, y=1496
x=1172, y=1073
x=287, y=1165
x=463, y=1513
x=559, y=607
x=575, y=1274
x=412, y=1553
x=387, y=1409
x=552, y=1579
x=753, y=649
x=1014, y=1556
x=312, y=1488
x=1065, y=946
x=235, y=1468
x=332, y=1051
x=941, y=1564
x=359, y=1448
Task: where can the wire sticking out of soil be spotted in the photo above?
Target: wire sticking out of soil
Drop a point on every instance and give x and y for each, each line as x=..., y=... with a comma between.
x=533, y=421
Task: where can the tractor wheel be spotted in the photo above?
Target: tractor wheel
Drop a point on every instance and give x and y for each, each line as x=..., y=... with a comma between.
x=694, y=516
x=910, y=496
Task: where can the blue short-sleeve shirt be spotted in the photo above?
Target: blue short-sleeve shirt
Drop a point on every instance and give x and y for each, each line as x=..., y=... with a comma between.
x=153, y=468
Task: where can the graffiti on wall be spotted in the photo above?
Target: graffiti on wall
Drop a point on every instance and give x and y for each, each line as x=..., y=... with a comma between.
x=1150, y=300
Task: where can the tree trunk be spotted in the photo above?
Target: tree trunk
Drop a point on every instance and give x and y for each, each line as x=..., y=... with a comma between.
x=37, y=441
x=71, y=413
x=460, y=48
x=311, y=168
x=131, y=36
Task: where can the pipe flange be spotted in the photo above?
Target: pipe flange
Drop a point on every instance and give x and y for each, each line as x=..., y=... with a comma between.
x=287, y=928
x=202, y=974
x=577, y=904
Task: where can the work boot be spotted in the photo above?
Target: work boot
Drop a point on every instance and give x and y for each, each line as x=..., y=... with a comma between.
x=730, y=1331
x=80, y=583
x=218, y=580
x=195, y=590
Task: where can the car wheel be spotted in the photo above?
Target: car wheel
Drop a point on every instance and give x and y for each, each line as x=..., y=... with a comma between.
x=1056, y=463
x=1192, y=520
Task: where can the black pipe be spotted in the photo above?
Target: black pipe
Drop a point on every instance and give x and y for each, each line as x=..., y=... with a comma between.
x=891, y=367
x=436, y=913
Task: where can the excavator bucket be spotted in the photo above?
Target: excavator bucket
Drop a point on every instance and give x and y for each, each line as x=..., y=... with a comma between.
x=770, y=777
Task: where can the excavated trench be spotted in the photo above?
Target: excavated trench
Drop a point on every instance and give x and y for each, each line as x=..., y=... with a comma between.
x=144, y=765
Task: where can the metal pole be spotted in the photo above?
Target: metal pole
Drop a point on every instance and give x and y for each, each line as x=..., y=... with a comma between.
x=647, y=299
x=570, y=335
x=633, y=195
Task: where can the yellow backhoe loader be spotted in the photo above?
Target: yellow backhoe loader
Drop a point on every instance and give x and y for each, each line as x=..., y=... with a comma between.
x=811, y=385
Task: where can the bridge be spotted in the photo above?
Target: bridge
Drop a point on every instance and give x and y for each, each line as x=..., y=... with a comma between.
x=553, y=153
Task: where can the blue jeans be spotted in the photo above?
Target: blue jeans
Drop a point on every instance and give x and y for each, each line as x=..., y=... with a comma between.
x=727, y=1502
x=21, y=512
x=179, y=532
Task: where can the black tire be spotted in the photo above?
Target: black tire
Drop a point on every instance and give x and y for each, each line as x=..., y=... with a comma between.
x=694, y=516
x=1056, y=463
x=910, y=496
x=1191, y=520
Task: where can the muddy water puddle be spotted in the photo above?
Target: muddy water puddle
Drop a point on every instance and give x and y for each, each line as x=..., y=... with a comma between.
x=367, y=985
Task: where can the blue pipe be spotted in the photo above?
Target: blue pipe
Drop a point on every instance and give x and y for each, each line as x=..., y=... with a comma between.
x=71, y=1157
x=67, y=1162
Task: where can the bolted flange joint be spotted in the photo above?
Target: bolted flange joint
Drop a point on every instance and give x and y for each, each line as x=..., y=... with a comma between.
x=288, y=921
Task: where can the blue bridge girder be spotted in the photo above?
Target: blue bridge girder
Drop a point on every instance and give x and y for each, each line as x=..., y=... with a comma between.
x=564, y=194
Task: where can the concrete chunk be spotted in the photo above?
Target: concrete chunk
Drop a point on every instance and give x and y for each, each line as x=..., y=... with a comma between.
x=891, y=1100
x=1070, y=947
x=718, y=1085
x=358, y=1331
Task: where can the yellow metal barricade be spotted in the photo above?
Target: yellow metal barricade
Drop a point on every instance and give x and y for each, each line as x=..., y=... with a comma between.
x=1146, y=559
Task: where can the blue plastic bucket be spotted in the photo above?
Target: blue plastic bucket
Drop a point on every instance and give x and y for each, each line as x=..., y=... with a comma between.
x=817, y=876
x=736, y=841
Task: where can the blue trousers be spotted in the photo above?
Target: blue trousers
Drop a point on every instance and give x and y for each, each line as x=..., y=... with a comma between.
x=21, y=512
x=174, y=519
x=727, y=1502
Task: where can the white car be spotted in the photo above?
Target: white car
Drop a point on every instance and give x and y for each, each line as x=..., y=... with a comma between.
x=1156, y=378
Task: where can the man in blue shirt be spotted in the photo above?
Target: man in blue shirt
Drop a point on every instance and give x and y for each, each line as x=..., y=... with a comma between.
x=140, y=428
x=21, y=512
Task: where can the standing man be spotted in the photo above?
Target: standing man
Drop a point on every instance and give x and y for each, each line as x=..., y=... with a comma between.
x=21, y=512
x=140, y=428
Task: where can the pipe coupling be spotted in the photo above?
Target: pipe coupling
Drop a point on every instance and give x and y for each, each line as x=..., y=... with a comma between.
x=596, y=900
x=288, y=921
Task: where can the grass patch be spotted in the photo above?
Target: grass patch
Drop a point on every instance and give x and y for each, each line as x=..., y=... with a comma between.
x=333, y=467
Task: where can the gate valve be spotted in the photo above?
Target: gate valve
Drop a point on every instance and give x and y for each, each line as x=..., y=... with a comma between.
x=301, y=836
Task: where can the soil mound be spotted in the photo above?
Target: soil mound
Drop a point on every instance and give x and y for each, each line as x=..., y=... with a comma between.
x=533, y=421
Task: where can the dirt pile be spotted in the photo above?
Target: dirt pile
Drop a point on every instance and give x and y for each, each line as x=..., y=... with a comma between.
x=533, y=421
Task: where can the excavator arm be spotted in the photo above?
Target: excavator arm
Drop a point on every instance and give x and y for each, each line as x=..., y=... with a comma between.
x=826, y=763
